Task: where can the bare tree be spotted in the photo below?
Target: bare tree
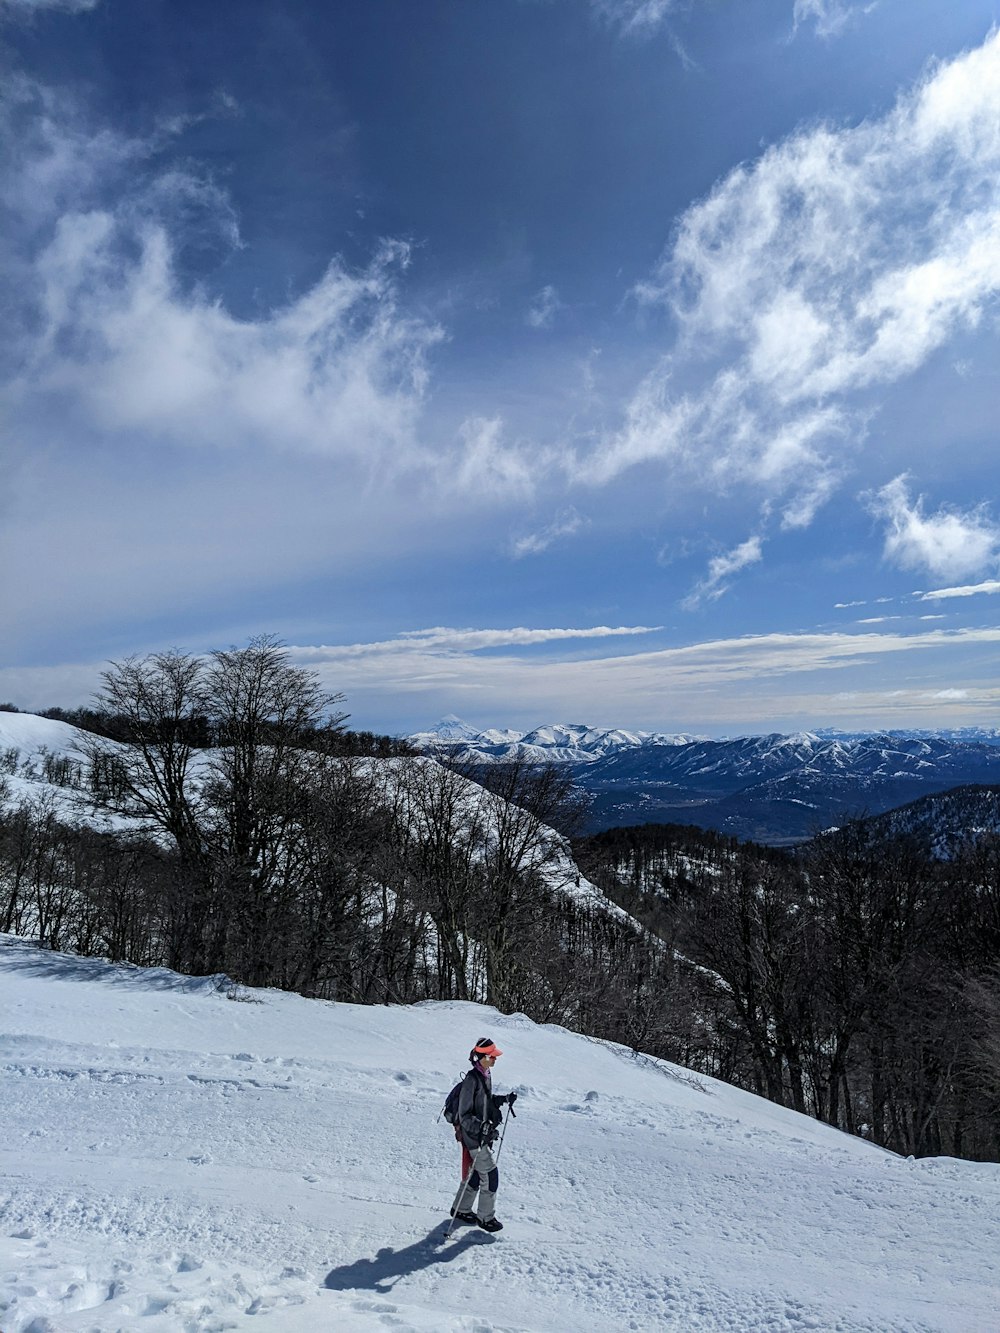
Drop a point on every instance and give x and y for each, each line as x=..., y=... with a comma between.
x=219, y=754
x=274, y=725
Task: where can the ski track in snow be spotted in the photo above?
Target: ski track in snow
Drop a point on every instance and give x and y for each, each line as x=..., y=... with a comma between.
x=176, y=1162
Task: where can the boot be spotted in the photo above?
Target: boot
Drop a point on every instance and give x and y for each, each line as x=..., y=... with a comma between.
x=492, y=1224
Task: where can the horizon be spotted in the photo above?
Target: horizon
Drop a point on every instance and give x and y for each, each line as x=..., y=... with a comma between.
x=514, y=362
x=10, y=709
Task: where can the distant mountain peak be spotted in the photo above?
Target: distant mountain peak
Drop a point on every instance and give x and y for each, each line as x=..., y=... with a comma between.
x=452, y=728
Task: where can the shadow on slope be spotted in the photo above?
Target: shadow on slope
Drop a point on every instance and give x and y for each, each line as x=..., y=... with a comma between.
x=21, y=955
x=389, y=1265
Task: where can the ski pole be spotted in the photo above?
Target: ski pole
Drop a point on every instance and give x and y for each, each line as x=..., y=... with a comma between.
x=503, y=1131
x=461, y=1192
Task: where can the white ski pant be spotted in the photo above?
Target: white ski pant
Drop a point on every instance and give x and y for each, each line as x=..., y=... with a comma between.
x=484, y=1180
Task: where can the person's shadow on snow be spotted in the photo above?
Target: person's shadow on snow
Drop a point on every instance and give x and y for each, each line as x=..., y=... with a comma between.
x=381, y=1273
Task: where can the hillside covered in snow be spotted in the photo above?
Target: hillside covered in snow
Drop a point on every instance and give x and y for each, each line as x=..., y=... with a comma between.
x=178, y=1161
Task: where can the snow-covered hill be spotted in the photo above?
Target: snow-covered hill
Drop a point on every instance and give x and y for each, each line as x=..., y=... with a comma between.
x=46, y=761
x=35, y=753
x=177, y=1162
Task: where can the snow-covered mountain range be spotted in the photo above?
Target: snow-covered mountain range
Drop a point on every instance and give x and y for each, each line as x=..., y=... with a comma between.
x=775, y=788
x=572, y=743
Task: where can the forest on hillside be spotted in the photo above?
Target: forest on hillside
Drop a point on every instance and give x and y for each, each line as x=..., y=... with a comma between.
x=246, y=831
x=259, y=838
x=854, y=979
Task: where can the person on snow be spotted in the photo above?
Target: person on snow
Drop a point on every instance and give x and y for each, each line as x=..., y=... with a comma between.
x=479, y=1116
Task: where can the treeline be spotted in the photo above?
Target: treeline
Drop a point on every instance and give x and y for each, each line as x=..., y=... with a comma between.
x=221, y=819
x=855, y=980
x=204, y=731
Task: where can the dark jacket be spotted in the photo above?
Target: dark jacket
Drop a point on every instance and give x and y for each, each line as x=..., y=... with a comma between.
x=479, y=1111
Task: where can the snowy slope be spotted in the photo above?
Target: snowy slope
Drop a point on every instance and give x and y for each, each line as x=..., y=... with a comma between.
x=174, y=1160
x=44, y=763
x=25, y=742
x=28, y=741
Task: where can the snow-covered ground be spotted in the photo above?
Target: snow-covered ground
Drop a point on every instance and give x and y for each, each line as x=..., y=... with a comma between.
x=173, y=1159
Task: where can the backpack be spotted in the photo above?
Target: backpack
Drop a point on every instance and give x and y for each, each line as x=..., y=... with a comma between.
x=450, y=1108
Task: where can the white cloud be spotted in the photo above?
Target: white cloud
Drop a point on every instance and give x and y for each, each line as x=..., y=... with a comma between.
x=337, y=371
x=721, y=568
x=967, y=590
x=542, y=311
x=112, y=331
x=442, y=639
x=641, y=17
x=566, y=523
x=829, y=16
x=485, y=464
x=836, y=263
x=54, y=159
x=634, y=16
x=947, y=544
x=731, y=684
x=24, y=8
x=712, y=662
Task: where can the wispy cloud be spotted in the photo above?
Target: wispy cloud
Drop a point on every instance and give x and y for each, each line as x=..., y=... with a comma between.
x=442, y=639
x=720, y=569
x=25, y=8
x=948, y=543
x=734, y=685
x=641, y=17
x=830, y=17
x=542, y=311
x=966, y=590
x=487, y=464
x=112, y=329
x=721, y=683
x=836, y=263
x=634, y=16
x=566, y=523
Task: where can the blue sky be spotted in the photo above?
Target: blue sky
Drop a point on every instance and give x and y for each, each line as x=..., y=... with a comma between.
x=622, y=361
